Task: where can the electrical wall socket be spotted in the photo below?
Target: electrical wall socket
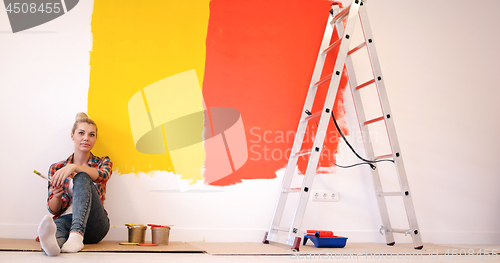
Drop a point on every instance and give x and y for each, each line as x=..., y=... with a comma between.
x=325, y=196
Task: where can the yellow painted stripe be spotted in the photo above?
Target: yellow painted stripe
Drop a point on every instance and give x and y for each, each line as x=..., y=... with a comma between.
x=134, y=48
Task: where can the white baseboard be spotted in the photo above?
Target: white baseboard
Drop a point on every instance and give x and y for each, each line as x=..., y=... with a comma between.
x=29, y=231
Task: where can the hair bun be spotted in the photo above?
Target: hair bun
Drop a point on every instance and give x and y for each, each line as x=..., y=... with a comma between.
x=81, y=116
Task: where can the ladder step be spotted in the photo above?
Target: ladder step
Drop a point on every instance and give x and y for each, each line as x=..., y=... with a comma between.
x=365, y=84
x=373, y=120
x=343, y=14
x=303, y=152
x=390, y=194
x=332, y=46
x=360, y=46
x=382, y=157
x=292, y=190
x=313, y=116
x=402, y=231
x=396, y=230
x=279, y=228
x=323, y=80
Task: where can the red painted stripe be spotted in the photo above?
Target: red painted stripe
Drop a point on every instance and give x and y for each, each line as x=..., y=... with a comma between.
x=261, y=64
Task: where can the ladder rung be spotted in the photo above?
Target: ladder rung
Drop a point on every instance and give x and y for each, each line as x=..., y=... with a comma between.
x=313, y=116
x=342, y=14
x=382, y=157
x=292, y=190
x=360, y=46
x=332, y=46
x=373, y=120
x=303, y=152
x=365, y=84
x=323, y=80
x=390, y=194
x=279, y=228
x=403, y=231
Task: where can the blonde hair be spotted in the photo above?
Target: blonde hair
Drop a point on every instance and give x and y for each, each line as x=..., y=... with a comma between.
x=82, y=117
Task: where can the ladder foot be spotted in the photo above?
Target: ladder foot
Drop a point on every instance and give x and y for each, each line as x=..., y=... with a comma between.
x=419, y=248
x=265, y=241
x=391, y=244
x=296, y=244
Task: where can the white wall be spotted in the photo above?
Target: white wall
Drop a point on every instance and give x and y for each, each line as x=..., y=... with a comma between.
x=44, y=82
x=438, y=59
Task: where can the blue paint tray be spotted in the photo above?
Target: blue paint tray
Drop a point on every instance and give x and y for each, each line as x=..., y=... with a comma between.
x=337, y=242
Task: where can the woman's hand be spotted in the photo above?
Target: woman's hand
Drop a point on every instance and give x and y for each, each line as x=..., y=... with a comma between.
x=56, y=191
x=56, y=200
x=61, y=175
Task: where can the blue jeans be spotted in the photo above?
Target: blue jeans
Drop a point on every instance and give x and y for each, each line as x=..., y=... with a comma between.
x=89, y=217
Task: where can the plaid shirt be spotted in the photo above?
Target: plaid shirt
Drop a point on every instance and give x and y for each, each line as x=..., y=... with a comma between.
x=103, y=166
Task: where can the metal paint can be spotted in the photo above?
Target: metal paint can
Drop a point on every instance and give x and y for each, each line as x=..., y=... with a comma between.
x=160, y=235
x=136, y=233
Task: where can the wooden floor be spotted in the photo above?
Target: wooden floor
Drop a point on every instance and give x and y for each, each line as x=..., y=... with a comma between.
x=256, y=248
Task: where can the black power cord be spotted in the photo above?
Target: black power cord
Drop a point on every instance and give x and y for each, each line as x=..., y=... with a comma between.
x=368, y=162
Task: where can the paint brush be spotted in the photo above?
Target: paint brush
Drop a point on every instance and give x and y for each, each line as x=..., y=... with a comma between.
x=39, y=174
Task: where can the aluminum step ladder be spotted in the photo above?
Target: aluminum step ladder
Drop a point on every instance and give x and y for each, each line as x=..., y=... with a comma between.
x=344, y=20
